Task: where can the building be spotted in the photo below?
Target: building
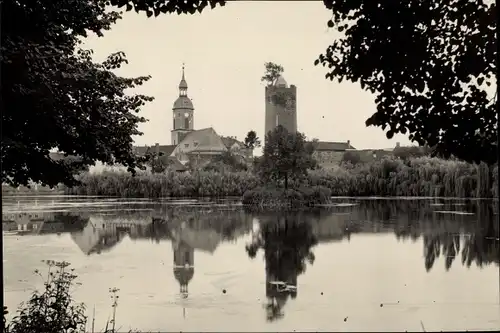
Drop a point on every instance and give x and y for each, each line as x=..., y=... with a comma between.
x=189, y=144
x=328, y=154
x=281, y=109
x=281, y=105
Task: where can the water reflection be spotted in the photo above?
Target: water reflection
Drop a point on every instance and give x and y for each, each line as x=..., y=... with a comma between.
x=450, y=229
x=287, y=242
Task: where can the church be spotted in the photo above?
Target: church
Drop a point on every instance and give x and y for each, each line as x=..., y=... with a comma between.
x=200, y=145
x=189, y=144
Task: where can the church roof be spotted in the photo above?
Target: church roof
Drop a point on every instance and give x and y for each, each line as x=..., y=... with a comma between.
x=205, y=240
x=165, y=149
x=183, y=102
x=173, y=163
x=207, y=139
x=229, y=142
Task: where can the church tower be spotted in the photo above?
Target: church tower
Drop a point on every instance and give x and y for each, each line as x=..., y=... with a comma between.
x=281, y=106
x=183, y=265
x=183, y=113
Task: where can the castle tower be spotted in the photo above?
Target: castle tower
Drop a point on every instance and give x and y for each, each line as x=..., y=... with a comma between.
x=183, y=265
x=183, y=113
x=281, y=106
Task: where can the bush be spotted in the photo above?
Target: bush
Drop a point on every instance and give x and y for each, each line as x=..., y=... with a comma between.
x=271, y=197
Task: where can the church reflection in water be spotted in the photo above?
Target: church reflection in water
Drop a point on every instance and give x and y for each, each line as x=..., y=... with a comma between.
x=183, y=265
x=286, y=239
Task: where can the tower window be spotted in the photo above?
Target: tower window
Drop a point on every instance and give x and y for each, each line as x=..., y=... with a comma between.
x=186, y=145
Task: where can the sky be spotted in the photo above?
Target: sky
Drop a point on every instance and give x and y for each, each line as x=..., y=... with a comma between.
x=224, y=51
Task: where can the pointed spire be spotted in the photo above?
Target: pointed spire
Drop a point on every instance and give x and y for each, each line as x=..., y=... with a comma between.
x=183, y=84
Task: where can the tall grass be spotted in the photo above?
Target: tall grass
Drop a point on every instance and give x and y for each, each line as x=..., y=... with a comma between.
x=172, y=184
x=421, y=176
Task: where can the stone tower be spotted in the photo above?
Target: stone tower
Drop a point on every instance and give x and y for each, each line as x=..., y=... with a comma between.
x=281, y=106
x=183, y=113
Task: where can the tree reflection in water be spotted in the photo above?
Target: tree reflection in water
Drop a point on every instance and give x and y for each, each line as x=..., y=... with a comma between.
x=480, y=244
x=287, y=240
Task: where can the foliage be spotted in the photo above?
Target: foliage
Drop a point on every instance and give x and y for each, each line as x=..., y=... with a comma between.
x=423, y=176
x=351, y=157
x=157, y=7
x=53, y=310
x=155, y=161
x=252, y=140
x=272, y=73
x=169, y=184
x=271, y=197
x=406, y=153
x=55, y=96
x=287, y=156
x=227, y=162
x=430, y=65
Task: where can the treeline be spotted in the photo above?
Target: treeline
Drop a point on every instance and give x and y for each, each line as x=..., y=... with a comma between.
x=422, y=176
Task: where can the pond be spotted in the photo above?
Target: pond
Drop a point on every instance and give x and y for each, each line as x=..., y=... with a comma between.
x=189, y=265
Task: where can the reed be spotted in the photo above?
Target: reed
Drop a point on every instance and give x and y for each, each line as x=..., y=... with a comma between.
x=422, y=176
x=172, y=184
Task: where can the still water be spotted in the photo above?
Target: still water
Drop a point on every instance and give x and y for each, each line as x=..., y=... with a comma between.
x=359, y=265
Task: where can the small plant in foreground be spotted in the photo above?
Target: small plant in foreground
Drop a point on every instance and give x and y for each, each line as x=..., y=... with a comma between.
x=52, y=310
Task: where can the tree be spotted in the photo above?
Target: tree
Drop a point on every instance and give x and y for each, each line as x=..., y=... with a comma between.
x=286, y=156
x=155, y=161
x=157, y=7
x=429, y=63
x=273, y=71
x=351, y=157
x=405, y=153
x=56, y=96
x=251, y=140
x=226, y=161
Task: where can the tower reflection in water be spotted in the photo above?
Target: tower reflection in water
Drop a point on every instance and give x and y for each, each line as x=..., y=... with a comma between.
x=287, y=241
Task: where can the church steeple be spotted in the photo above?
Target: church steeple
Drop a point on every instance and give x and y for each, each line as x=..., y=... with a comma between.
x=183, y=84
x=183, y=113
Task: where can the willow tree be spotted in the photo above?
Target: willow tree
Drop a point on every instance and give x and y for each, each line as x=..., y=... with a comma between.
x=430, y=64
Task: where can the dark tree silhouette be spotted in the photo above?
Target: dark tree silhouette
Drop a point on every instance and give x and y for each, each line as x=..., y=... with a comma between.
x=273, y=71
x=430, y=64
x=55, y=96
x=252, y=140
x=286, y=156
x=157, y=7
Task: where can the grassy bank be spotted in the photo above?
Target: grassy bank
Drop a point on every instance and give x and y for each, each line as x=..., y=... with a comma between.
x=389, y=177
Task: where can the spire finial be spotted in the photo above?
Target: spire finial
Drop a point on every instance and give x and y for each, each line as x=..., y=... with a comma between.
x=183, y=65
